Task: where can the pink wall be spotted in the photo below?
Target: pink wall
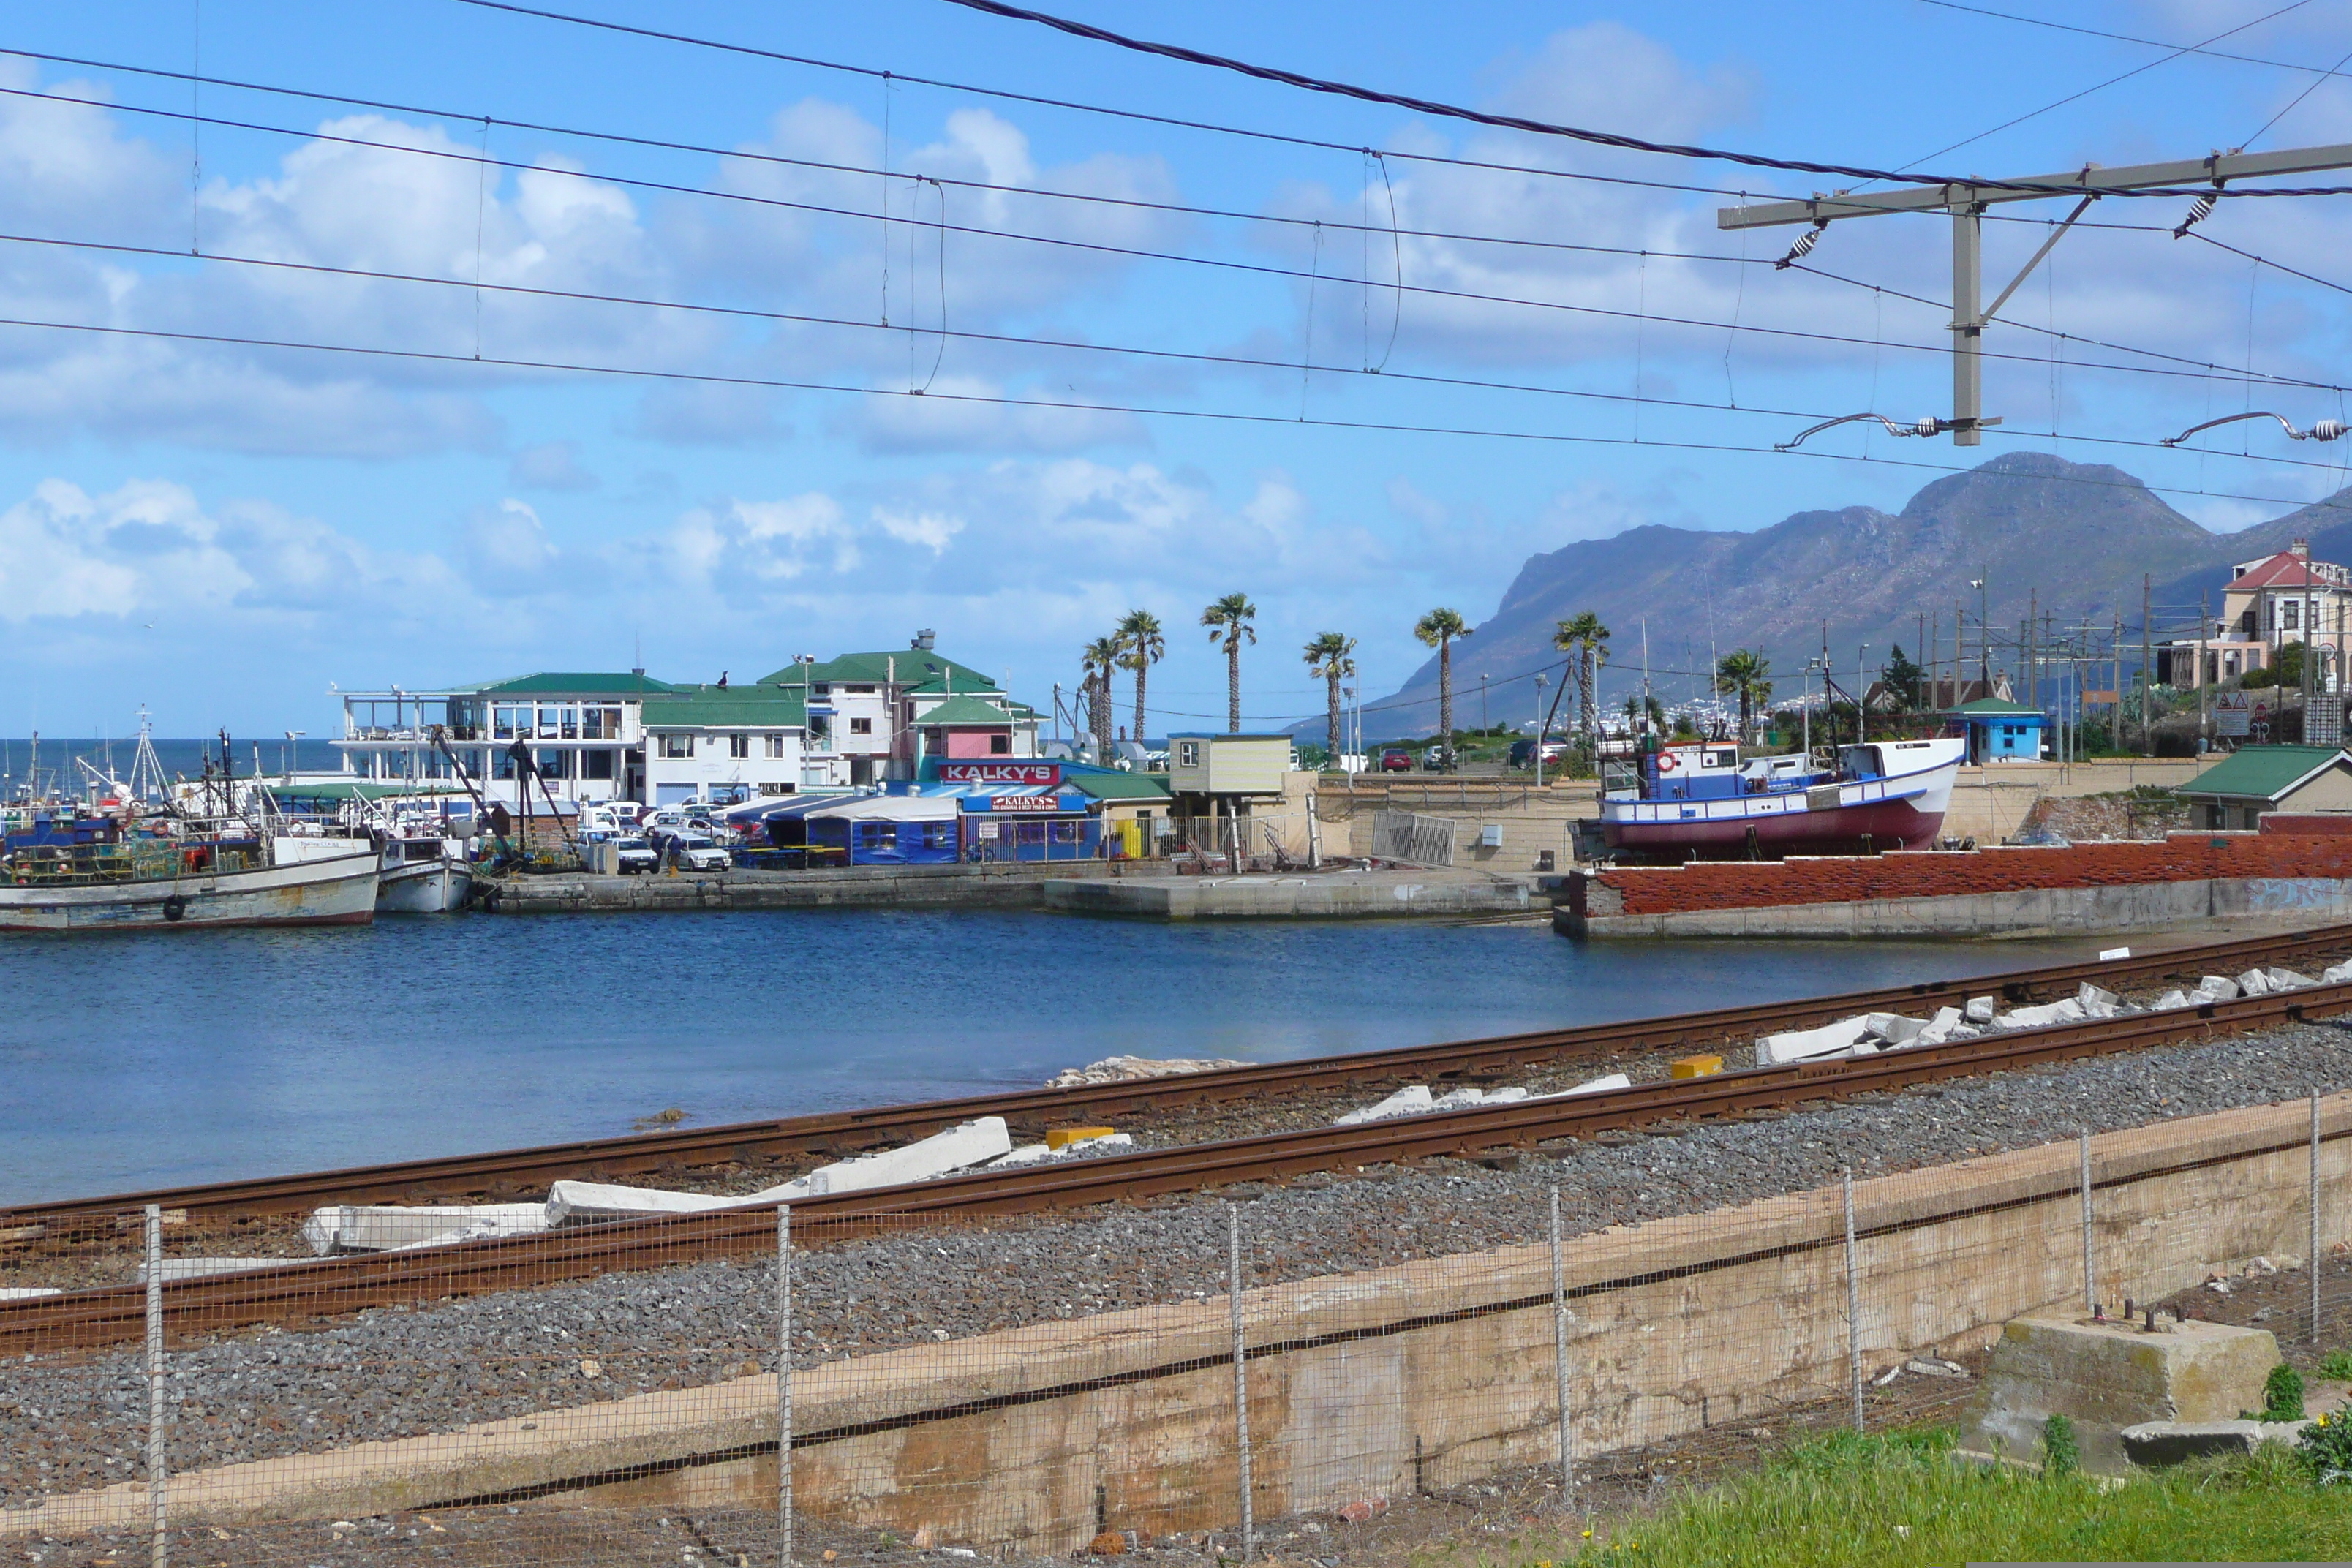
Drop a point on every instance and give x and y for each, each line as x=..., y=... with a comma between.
x=963, y=745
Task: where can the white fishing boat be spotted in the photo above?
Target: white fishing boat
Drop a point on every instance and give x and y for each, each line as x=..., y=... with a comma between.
x=1703, y=800
x=180, y=884
x=424, y=877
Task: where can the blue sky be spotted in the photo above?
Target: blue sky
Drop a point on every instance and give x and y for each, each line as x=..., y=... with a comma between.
x=224, y=532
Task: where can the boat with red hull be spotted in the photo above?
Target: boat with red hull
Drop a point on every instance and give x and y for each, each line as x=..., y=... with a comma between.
x=1702, y=801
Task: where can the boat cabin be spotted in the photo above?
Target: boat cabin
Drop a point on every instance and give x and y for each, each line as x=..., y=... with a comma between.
x=1713, y=771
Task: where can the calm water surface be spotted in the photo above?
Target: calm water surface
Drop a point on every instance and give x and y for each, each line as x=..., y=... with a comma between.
x=134, y=1061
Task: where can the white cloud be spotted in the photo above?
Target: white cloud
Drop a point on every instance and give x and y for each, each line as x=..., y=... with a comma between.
x=507, y=547
x=551, y=465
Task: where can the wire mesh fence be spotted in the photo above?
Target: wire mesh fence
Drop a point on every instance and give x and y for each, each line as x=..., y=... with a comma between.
x=1016, y=1388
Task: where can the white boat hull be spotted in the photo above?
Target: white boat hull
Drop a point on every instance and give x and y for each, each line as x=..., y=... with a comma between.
x=424, y=887
x=337, y=891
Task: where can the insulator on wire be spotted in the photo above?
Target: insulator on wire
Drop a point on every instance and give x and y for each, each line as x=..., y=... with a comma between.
x=2327, y=430
x=1799, y=251
x=2199, y=211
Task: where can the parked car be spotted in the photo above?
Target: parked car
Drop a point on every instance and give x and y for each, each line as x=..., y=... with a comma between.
x=1437, y=759
x=698, y=853
x=635, y=856
x=1396, y=760
x=1523, y=752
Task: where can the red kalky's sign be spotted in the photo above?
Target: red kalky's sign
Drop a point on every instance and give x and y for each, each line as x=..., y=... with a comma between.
x=1025, y=803
x=1040, y=776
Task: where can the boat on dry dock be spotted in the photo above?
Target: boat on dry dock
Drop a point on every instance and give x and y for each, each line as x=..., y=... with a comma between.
x=1703, y=800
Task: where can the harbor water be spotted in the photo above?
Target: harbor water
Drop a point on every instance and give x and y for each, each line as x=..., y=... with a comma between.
x=145, y=1060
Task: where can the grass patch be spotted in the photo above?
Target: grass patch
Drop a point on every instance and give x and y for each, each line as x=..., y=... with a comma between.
x=1902, y=1499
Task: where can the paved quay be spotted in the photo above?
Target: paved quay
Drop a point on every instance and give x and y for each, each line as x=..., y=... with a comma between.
x=1016, y=886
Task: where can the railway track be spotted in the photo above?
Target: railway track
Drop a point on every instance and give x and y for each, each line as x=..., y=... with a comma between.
x=330, y=1287
x=517, y=1172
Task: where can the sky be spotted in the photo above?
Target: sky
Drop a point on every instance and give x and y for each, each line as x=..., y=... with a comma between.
x=563, y=348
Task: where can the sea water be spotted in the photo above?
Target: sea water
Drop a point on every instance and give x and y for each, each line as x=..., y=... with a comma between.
x=139, y=1060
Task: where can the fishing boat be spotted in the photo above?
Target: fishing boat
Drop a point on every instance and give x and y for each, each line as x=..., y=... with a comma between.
x=1702, y=802
x=424, y=876
x=63, y=870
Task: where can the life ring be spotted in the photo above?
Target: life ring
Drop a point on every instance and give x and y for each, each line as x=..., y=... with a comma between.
x=174, y=906
x=1666, y=763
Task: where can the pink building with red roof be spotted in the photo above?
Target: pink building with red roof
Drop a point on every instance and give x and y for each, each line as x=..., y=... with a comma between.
x=2269, y=602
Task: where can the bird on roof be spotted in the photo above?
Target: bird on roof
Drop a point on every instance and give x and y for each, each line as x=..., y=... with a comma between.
x=723, y=680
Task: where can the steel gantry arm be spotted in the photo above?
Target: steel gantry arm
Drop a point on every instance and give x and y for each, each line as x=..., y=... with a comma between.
x=1966, y=203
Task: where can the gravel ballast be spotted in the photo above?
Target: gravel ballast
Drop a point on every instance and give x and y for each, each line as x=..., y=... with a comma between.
x=69, y=1423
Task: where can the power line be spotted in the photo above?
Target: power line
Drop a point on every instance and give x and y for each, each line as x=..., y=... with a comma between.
x=429, y=356
x=2322, y=71
x=1266, y=269
x=2073, y=187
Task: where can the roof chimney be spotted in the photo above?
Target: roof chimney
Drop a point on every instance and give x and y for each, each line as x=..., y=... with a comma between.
x=2301, y=548
x=925, y=640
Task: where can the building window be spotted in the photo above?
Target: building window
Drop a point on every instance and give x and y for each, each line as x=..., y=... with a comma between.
x=861, y=726
x=738, y=745
x=554, y=764
x=677, y=746
x=822, y=688
x=2290, y=616
x=939, y=835
x=595, y=764
x=1188, y=753
x=775, y=745
x=999, y=745
x=859, y=691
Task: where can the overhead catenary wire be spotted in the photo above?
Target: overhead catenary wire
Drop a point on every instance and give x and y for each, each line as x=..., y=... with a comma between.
x=1253, y=363
x=2209, y=53
x=1268, y=269
x=1439, y=108
x=649, y=373
x=2200, y=368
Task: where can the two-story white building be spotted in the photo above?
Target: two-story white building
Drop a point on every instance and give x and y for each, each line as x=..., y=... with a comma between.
x=876, y=716
x=728, y=744
x=582, y=731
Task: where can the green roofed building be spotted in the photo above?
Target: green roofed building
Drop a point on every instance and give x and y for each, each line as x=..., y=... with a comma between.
x=2234, y=792
x=877, y=716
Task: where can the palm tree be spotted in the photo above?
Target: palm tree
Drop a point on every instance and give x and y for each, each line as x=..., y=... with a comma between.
x=1586, y=641
x=1438, y=629
x=1331, y=656
x=1744, y=673
x=1139, y=632
x=1099, y=658
x=1229, y=618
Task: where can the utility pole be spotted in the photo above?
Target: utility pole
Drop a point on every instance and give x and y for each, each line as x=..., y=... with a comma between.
x=1965, y=202
x=2204, y=624
x=2146, y=688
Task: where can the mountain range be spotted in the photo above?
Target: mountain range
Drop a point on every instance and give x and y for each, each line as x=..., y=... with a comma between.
x=2072, y=540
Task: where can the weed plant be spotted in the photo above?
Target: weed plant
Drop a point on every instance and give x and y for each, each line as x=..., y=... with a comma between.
x=1903, y=1500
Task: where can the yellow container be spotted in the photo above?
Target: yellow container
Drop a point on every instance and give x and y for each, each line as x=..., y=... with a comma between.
x=1063, y=1136
x=1695, y=1066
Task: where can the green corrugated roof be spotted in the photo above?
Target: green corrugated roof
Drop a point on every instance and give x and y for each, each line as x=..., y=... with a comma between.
x=725, y=707
x=964, y=710
x=566, y=683
x=913, y=668
x=356, y=789
x=1994, y=708
x=2261, y=773
x=1114, y=785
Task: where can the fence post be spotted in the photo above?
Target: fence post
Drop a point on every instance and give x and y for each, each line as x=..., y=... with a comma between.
x=161, y=1549
x=784, y=1384
x=2312, y=1267
x=1559, y=1353
x=1852, y=1304
x=1240, y=1376
x=2090, y=1277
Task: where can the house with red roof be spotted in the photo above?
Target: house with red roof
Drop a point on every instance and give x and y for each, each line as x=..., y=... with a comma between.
x=2268, y=604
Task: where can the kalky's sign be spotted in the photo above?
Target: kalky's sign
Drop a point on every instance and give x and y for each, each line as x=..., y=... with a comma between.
x=1037, y=776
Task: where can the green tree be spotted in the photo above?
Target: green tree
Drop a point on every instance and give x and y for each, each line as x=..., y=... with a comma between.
x=1904, y=679
x=1586, y=641
x=1331, y=656
x=1098, y=658
x=1744, y=673
x=1228, y=620
x=1144, y=645
x=1438, y=629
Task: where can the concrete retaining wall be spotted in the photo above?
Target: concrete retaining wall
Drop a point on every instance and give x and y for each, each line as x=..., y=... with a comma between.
x=1360, y=1384
x=2127, y=886
x=1014, y=886
x=1337, y=895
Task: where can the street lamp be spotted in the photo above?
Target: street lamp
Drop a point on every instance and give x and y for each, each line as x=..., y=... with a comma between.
x=1539, y=729
x=1861, y=706
x=1984, y=641
x=291, y=736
